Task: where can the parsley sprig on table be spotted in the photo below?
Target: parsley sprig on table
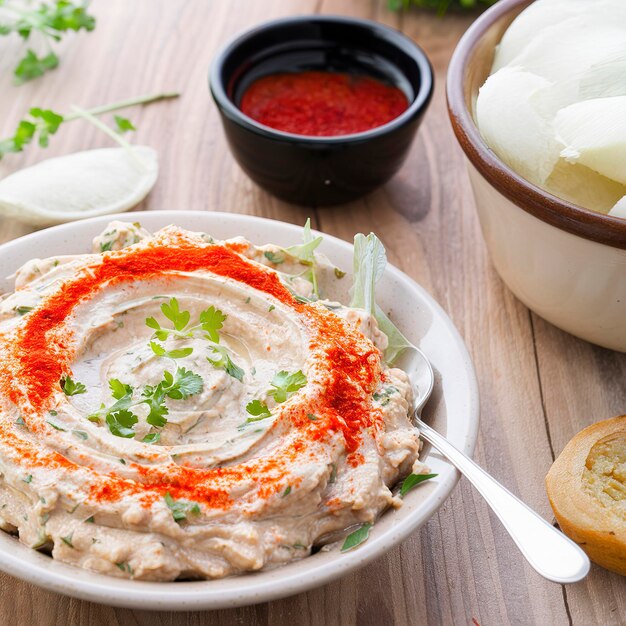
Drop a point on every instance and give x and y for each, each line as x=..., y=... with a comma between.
x=50, y=21
x=121, y=420
x=210, y=322
x=40, y=124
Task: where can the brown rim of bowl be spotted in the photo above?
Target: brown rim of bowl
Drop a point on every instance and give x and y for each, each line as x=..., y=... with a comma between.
x=532, y=199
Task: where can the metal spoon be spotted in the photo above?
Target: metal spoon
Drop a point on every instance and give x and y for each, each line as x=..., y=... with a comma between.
x=549, y=552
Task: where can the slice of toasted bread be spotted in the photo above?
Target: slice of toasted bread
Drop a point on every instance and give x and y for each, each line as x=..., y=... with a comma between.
x=587, y=490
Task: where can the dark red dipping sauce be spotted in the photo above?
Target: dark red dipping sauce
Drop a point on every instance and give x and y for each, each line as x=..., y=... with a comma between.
x=322, y=104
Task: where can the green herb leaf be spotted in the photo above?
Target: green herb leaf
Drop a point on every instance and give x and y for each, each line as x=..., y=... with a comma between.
x=119, y=390
x=71, y=387
x=305, y=253
x=121, y=423
x=123, y=125
x=106, y=246
x=152, y=438
x=357, y=537
x=412, y=480
x=31, y=66
x=68, y=540
x=22, y=310
x=180, y=353
x=181, y=508
x=221, y=359
x=286, y=384
x=212, y=320
x=171, y=310
x=258, y=410
x=287, y=491
x=273, y=257
x=81, y=434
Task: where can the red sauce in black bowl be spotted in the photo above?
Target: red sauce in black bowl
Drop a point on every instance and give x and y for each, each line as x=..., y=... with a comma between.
x=322, y=104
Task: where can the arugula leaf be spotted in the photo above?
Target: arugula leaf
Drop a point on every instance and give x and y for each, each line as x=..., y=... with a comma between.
x=212, y=320
x=121, y=423
x=71, y=387
x=412, y=480
x=286, y=384
x=369, y=265
x=221, y=359
x=181, y=508
x=123, y=124
x=305, y=253
x=258, y=410
x=357, y=537
x=159, y=350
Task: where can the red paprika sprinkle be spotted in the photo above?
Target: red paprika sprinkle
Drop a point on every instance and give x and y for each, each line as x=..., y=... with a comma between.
x=322, y=104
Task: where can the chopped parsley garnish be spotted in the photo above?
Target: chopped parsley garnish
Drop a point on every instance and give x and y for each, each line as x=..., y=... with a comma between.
x=159, y=350
x=123, y=124
x=68, y=540
x=81, y=434
x=312, y=417
x=56, y=426
x=273, y=257
x=287, y=491
x=181, y=508
x=125, y=567
x=52, y=412
x=220, y=358
x=211, y=320
x=121, y=420
x=20, y=421
x=333, y=474
x=90, y=520
x=383, y=396
x=71, y=387
x=28, y=479
x=272, y=307
x=22, y=310
x=152, y=438
x=412, y=480
x=339, y=273
x=258, y=410
x=121, y=423
x=357, y=537
x=106, y=246
x=286, y=384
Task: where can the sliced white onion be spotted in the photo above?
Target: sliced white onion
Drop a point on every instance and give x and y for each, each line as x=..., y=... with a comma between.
x=79, y=185
x=619, y=210
x=593, y=133
x=514, y=127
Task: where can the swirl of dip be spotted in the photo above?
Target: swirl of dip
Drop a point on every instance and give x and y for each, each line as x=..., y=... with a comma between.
x=282, y=426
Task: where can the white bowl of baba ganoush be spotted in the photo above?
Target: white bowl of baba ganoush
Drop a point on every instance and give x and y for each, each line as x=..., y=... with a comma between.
x=193, y=417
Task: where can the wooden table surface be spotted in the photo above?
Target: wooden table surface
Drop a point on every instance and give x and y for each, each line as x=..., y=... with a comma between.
x=538, y=385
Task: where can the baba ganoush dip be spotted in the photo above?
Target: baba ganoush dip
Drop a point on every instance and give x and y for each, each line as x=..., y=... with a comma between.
x=178, y=407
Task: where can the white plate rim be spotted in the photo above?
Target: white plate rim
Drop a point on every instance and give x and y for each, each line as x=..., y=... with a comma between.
x=31, y=566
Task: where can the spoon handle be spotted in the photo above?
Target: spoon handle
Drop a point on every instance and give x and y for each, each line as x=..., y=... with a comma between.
x=550, y=552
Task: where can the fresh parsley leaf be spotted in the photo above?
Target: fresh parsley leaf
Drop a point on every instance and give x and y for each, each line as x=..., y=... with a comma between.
x=71, y=387
x=221, y=359
x=123, y=124
x=184, y=384
x=180, y=353
x=273, y=257
x=119, y=390
x=212, y=320
x=286, y=384
x=412, y=480
x=31, y=66
x=155, y=399
x=258, y=410
x=152, y=438
x=121, y=423
x=172, y=311
x=357, y=537
x=181, y=508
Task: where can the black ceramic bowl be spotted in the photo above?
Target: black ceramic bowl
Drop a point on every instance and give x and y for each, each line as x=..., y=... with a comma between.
x=320, y=170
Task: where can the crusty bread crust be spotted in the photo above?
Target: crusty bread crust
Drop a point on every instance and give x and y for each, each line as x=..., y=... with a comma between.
x=588, y=495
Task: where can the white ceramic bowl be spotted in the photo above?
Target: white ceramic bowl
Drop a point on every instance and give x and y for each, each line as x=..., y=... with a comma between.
x=453, y=410
x=566, y=263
